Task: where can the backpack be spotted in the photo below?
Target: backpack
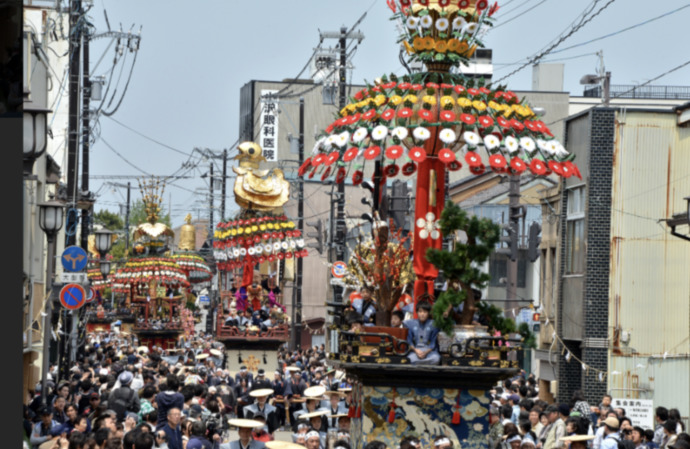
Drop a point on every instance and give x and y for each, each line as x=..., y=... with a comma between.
x=120, y=405
x=620, y=442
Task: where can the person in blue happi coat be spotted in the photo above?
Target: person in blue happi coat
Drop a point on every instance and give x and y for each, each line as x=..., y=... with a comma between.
x=422, y=337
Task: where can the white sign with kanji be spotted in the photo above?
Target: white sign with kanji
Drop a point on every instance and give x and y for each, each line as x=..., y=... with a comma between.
x=268, y=136
x=640, y=411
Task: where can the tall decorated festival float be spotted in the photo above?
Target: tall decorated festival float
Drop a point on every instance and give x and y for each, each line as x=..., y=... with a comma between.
x=254, y=246
x=421, y=127
x=154, y=285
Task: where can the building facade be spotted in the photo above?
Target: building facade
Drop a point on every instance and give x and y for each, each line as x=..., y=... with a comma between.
x=623, y=318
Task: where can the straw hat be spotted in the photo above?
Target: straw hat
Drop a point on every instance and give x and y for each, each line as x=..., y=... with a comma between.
x=345, y=389
x=313, y=414
x=315, y=391
x=340, y=415
x=143, y=349
x=201, y=356
x=261, y=392
x=293, y=368
x=578, y=438
x=216, y=352
x=283, y=445
x=332, y=392
x=251, y=423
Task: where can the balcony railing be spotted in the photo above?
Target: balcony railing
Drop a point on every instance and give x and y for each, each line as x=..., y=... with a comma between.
x=642, y=92
x=375, y=345
x=226, y=332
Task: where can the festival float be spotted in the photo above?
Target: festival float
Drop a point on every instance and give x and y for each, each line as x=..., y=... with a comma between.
x=154, y=284
x=96, y=317
x=256, y=240
x=423, y=126
x=190, y=261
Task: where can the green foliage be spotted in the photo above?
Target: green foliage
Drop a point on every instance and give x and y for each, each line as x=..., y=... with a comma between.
x=495, y=319
x=190, y=304
x=528, y=338
x=109, y=220
x=137, y=215
x=462, y=264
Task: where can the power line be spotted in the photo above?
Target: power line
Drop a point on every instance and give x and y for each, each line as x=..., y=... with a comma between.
x=124, y=158
x=622, y=30
x=519, y=15
x=584, y=21
x=147, y=137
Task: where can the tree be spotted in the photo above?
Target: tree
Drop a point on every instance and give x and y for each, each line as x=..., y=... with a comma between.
x=109, y=220
x=461, y=266
x=137, y=215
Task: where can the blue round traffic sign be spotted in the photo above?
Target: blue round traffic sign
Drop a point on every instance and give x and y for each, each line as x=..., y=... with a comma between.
x=72, y=296
x=74, y=259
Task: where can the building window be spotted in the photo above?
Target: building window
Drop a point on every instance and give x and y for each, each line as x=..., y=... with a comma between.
x=498, y=268
x=575, y=232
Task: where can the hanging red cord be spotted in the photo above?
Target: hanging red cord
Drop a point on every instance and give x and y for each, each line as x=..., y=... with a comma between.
x=456, y=413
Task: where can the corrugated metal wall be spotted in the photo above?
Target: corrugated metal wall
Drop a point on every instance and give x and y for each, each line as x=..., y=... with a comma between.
x=649, y=311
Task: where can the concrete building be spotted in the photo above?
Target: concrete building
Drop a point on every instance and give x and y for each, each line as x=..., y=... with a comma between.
x=41, y=91
x=623, y=303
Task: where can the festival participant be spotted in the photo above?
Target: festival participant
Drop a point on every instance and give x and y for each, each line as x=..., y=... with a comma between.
x=262, y=407
x=422, y=336
x=336, y=408
x=172, y=428
x=245, y=440
x=368, y=307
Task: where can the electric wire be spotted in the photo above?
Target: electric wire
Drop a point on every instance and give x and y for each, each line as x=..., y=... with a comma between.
x=519, y=15
x=583, y=21
x=615, y=33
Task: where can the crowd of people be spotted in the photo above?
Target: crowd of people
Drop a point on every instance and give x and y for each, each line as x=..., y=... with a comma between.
x=520, y=420
x=122, y=395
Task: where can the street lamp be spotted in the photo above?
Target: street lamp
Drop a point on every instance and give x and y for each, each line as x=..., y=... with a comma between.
x=35, y=128
x=104, y=241
x=680, y=219
x=104, y=265
x=50, y=220
x=605, y=79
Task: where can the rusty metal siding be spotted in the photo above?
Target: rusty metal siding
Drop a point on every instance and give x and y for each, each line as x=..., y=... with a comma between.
x=650, y=286
x=649, y=313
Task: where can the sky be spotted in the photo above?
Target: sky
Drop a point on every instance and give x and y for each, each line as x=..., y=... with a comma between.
x=194, y=58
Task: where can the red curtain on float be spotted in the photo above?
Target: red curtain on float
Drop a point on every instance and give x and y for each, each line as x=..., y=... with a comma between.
x=430, y=198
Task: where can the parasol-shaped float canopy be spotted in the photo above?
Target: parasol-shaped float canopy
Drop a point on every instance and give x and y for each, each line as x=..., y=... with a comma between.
x=261, y=238
x=93, y=272
x=402, y=121
x=140, y=271
x=194, y=266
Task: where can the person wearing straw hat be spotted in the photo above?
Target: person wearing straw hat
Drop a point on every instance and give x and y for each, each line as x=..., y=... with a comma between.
x=261, y=406
x=294, y=390
x=317, y=424
x=244, y=430
x=336, y=407
x=577, y=441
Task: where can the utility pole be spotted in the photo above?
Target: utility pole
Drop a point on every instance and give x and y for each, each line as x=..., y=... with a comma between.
x=210, y=203
x=515, y=213
x=86, y=98
x=73, y=121
x=297, y=290
x=340, y=228
x=225, y=176
x=129, y=185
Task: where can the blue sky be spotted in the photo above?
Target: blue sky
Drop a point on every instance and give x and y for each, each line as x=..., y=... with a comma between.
x=195, y=57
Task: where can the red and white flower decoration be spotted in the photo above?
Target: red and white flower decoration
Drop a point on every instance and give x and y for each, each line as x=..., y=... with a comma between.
x=446, y=156
x=491, y=141
x=527, y=144
x=458, y=23
x=359, y=135
x=342, y=139
x=447, y=136
x=372, y=152
x=471, y=138
x=426, y=21
x=350, y=154
x=394, y=151
x=429, y=226
x=421, y=133
x=512, y=144
x=417, y=154
x=400, y=132
x=447, y=116
x=442, y=24
x=379, y=133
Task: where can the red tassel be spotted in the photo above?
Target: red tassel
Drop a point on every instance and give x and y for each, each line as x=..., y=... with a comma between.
x=358, y=412
x=456, y=417
x=351, y=412
x=391, y=416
